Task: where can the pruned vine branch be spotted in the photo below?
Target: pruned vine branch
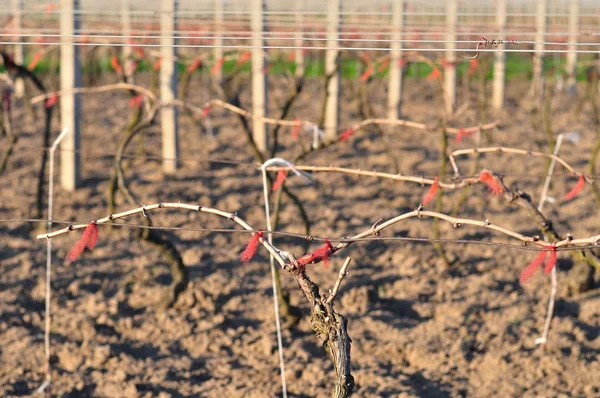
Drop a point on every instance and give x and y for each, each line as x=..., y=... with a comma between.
x=499, y=149
x=284, y=260
x=249, y=115
x=377, y=174
x=95, y=90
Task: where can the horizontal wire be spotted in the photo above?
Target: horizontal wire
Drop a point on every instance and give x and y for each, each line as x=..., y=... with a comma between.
x=319, y=27
x=357, y=27
x=282, y=47
x=310, y=237
x=249, y=165
x=105, y=154
x=254, y=165
x=304, y=11
x=278, y=13
x=352, y=40
x=349, y=28
x=409, y=29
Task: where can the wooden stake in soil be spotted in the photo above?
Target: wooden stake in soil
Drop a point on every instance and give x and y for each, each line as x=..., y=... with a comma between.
x=70, y=106
x=396, y=68
x=299, y=42
x=17, y=14
x=259, y=75
x=538, y=47
x=218, y=41
x=126, y=32
x=499, y=59
x=572, y=55
x=168, y=86
x=450, y=69
x=330, y=124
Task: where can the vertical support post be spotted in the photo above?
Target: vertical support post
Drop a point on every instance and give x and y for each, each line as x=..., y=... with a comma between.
x=572, y=55
x=259, y=77
x=168, y=85
x=396, y=68
x=299, y=42
x=450, y=69
x=499, y=59
x=17, y=14
x=70, y=106
x=330, y=124
x=126, y=32
x=218, y=41
x=538, y=56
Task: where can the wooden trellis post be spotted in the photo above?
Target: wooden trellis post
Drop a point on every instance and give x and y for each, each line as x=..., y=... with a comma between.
x=330, y=125
x=538, y=56
x=218, y=41
x=572, y=55
x=499, y=58
x=126, y=32
x=396, y=67
x=70, y=106
x=450, y=69
x=17, y=14
x=299, y=42
x=168, y=86
x=259, y=76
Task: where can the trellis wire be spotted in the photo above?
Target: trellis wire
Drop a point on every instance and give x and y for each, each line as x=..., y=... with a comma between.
x=316, y=238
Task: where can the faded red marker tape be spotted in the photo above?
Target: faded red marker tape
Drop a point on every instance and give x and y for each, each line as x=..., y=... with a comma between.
x=532, y=267
x=114, y=63
x=435, y=74
x=194, y=65
x=243, y=58
x=488, y=179
x=279, y=180
x=296, y=130
x=432, y=191
x=34, y=61
x=460, y=135
x=551, y=261
x=87, y=241
x=367, y=73
x=383, y=66
x=251, y=247
x=217, y=67
x=321, y=254
x=156, y=65
x=51, y=100
x=346, y=135
x=577, y=188
x=537, y=263
x=136, y=102
x=473, y=65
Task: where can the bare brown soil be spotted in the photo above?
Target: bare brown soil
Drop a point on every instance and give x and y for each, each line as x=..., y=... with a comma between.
x=418, y=327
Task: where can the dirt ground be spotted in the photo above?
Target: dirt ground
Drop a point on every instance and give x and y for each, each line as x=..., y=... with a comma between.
x=418, y=327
